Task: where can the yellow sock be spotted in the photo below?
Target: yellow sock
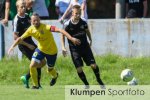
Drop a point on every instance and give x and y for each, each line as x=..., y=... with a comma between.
x=33, y=73
x=53, y=73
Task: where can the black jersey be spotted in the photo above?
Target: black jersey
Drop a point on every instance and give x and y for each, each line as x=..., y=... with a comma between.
x=137, y=5
x=20, y=25
x=78, y=31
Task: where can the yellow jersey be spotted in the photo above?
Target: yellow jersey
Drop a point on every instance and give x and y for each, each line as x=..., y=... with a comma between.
x=44, y=37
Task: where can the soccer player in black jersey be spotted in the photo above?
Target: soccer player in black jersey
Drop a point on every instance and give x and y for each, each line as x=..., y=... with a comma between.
x=78, y=28
x=21, y=23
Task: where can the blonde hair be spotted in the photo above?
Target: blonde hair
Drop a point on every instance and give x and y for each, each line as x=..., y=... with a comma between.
x=76, y=7
x=18, y=2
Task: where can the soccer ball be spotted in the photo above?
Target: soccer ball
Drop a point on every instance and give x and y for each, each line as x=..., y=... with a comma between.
x=134, y=81
x=126, y=75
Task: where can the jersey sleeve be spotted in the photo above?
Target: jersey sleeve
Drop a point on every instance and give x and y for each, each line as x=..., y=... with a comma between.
x=26, y=34
x=66, y=26
x=85, y=25
x=15, y=26
x=50, y=28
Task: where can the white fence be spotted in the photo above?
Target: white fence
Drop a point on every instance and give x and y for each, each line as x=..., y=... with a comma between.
x=125, y=37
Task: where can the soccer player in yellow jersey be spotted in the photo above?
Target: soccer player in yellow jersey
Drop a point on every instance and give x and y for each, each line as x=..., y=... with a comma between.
x=46, y=47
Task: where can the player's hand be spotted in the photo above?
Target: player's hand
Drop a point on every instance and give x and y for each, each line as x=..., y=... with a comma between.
x=5, y=21
x=64, y=52
x=10, y=50
x=31, y=47
x=76, y=41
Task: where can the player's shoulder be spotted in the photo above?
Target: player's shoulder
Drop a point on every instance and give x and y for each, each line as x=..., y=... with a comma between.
x=83, y=20
x=31, y=28
x=16, y=18
x=44, y=25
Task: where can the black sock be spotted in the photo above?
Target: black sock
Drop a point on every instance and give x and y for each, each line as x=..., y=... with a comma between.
x=39, y=75
x=28, y=75
x=97, y=74
x=83, y=78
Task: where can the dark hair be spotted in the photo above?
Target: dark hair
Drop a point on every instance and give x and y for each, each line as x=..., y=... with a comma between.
x=35, y=14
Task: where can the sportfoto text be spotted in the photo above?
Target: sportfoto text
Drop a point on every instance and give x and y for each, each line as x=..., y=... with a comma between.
x=106, y=92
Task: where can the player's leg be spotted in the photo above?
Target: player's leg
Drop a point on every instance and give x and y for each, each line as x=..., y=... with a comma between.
x=28, y=53
x=90, y=61
x=82, y=76
x=39, y=76
x=76, y=58
x=42, y=64
x=25, y=79
x=33, y=72
x=37, y=58
x=97, y=73
x=51, y=59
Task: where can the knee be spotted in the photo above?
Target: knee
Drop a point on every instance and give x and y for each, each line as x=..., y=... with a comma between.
x=33, y=64
x=94, y=66
x=79, y=70
x=43, y=63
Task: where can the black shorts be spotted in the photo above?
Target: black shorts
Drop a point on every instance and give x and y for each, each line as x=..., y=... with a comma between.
x=26, y=51
x=82, y=54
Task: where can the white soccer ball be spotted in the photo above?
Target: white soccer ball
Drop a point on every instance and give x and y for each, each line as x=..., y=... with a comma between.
x=134, y=81
x=126, y=75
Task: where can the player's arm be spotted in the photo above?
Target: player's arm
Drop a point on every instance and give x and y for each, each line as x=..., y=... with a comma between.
x=74, y=40
x=29, y=3
x=16, y=42
x=19, y=40
x=63, y=42
x=23, y=42
x=83, y=6
x=145, y=8
x=89, y=36
x=66, y=13
x=64, y=51
x=7, y=8
x=88, y=33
